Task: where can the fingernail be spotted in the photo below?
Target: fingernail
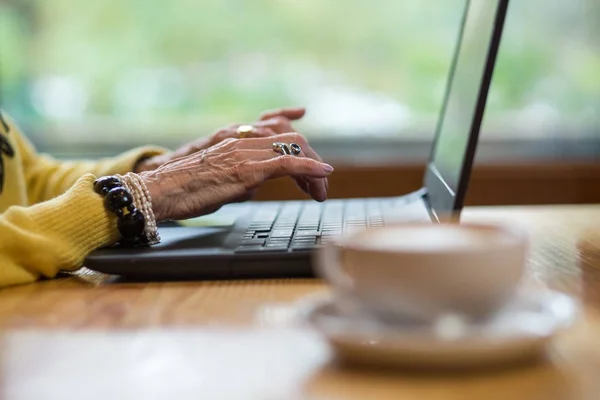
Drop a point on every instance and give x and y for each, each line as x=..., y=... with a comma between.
x=327, y=168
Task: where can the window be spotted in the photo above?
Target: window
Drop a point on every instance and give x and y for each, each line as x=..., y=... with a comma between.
x=116, y=73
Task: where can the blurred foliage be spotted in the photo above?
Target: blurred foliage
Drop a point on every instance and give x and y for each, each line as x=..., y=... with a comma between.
x=184, y=67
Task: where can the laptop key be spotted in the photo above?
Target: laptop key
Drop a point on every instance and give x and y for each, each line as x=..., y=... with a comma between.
x=261, y=231
x=304, y=243
x=282, y=233
x=312, y=235
x=279, y=239
x=260, y=228
x=307, y=233
x=331, y=234
x=306, y=239
x=277, y=245
x=255, y=241
x=261, y=223
x=308, y=228
x=259, y=249
x=303, y=249
x=248, y=249
x=323, y=241
x=284, y=226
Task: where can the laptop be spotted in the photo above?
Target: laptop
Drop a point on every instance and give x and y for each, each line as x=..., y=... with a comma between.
x=276, y=239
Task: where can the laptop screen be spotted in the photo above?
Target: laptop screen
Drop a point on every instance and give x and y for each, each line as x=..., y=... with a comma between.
x=461, y=115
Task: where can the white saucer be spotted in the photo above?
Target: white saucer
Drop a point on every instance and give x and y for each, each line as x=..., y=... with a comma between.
x=520, y=331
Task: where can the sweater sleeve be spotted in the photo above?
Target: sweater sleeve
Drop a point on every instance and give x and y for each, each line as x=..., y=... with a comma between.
x=54, y=235
x=47, y=178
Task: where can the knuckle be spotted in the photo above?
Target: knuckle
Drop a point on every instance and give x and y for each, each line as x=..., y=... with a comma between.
x=298, y=138
x=239, y=174
x=281, y=122
x=268, y=131
x=306, y=162
x=252, y=174
x=262, y=131
x=232, y=142
x=285, y=160
x=239, y=156
x=295, y=137
x=221, y=135
x=244, y=171
x=278, y=119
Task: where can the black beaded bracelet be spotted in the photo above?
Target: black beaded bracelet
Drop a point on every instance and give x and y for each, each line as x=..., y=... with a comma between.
x=119, y=201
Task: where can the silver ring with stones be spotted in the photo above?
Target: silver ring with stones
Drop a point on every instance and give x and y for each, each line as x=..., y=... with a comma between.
x=282, y=148
x=287, y=149
x=296, y=149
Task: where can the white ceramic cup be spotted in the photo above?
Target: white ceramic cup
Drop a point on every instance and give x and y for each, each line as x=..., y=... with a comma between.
x=425, y=271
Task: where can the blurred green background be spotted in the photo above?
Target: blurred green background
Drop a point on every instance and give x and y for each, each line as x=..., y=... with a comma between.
x=159, y=71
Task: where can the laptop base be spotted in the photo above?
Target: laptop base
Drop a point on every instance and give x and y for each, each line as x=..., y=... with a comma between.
x=209, y=253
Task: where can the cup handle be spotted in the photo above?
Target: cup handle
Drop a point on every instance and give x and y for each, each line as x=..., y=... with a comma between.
x=328, y=268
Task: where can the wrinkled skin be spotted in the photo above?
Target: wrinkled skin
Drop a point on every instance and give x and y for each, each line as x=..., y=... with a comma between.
x=205, y=180
x=270, y=123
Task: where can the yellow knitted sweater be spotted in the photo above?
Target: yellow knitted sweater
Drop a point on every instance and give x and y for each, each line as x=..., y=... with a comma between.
x=50, y=216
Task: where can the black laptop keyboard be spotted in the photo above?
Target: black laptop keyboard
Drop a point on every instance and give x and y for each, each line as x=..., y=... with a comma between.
x=301, y=226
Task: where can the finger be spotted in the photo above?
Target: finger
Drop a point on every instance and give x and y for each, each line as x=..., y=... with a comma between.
x=315, y=186
x=264, y=155
x=257, y=143
x=258, y=164
x=259, y=155
x=257, y=131
x=291, y=113
x=320, y=186
x=260, y=132
x=267, y=142
x=303, y=183
x=298, y=167
x=305, y=186
x=278, y=124
x=295, y=137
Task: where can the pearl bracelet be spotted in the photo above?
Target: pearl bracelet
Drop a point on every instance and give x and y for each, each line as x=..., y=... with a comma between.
x=143, y=202
x=129, y=199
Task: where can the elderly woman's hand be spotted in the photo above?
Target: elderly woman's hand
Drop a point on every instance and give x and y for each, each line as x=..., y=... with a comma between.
x=205, y=180
x=271, y=123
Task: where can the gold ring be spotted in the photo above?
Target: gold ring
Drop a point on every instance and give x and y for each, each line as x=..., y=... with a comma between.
x=244, y=130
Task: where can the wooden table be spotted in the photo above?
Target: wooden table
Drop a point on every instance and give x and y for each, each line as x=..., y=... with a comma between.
x=83, y=338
